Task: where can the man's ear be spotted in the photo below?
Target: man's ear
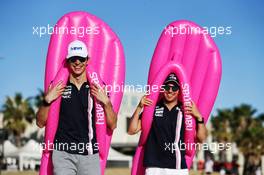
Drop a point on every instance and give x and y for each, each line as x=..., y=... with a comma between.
x=88, y=61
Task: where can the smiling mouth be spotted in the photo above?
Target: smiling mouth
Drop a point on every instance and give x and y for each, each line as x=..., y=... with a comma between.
x=170, y=94
x=78, y=67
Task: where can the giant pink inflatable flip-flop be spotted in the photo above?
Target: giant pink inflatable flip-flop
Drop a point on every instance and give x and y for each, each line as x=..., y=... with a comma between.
x=106, y=67
x=192, y=55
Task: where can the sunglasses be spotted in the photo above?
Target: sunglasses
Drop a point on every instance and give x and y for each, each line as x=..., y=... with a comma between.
x=74, y=59
x=173, y=88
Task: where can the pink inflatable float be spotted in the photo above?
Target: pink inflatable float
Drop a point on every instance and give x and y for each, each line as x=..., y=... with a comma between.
x=106, y=67
x=189, y=52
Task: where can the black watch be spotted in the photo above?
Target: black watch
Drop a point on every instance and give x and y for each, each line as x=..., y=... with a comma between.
x=200, y=122
x=45, y=103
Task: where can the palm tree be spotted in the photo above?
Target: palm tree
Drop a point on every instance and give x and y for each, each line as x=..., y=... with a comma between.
x=240, y=125
x=18, y=113
x=38, y=99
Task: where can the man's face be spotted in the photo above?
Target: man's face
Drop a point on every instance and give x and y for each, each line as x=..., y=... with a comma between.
x=77, y=66
x=171, y=92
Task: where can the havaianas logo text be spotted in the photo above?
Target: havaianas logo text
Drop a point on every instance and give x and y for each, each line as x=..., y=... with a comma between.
x=187, y=102
x=99, y=108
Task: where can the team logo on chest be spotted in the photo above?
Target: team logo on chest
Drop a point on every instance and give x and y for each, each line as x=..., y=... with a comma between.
x=159, y=111
x=67, y=92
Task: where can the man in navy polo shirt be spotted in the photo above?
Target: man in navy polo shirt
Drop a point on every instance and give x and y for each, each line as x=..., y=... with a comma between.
x=167, y=129
x=75, y=146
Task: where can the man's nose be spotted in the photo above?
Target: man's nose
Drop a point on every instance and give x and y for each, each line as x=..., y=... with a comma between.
x=77, y=61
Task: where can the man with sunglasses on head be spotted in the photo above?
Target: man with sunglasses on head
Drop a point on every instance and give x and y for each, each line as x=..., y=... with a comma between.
x=76, y=150
x=165, y=128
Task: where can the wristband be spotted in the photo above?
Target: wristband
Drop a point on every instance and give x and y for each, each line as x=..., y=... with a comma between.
x=200, y=122
x=45, y=103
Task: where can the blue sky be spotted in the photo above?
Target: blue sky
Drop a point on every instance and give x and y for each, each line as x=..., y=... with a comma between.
x=138, y=24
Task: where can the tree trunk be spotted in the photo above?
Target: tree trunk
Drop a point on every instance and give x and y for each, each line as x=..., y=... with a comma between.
x=249, y=166
x=18, y=140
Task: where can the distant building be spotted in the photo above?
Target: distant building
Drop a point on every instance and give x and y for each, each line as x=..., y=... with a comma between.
x=120, y=138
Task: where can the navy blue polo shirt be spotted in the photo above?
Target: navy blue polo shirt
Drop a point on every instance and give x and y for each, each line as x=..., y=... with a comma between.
x=76, y=128
x=166, y=131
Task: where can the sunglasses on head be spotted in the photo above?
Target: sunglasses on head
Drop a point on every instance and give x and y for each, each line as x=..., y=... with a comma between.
x=173, y=88
x=74, y=59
